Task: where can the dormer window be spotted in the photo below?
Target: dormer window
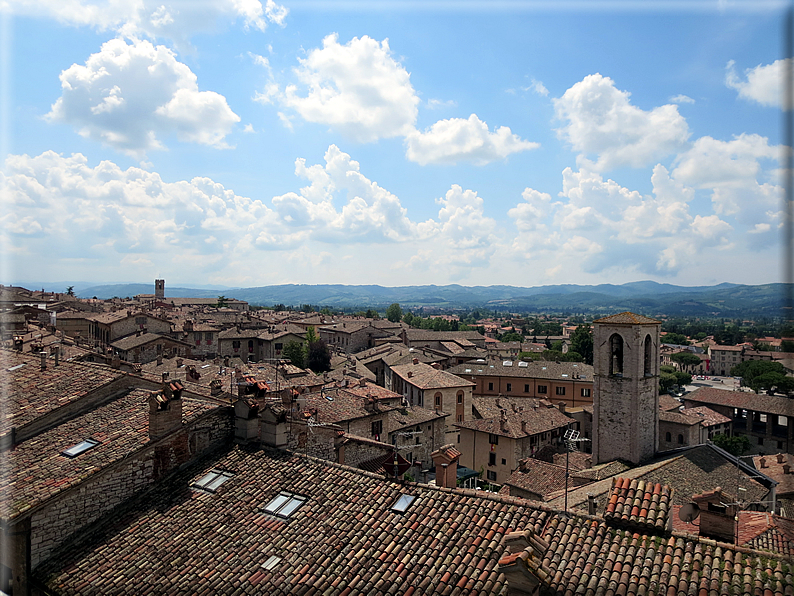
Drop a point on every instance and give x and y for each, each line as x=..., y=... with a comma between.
x=81, y=447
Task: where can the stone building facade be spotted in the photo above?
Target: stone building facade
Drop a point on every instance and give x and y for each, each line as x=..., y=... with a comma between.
x=626, y=387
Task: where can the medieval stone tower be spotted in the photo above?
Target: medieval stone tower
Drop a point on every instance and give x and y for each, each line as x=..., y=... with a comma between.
x=626, y=388
x=159, y=288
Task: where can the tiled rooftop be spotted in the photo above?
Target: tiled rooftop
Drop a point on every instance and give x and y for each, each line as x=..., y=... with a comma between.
x=345, y=539
x=536, y=476
x=636, y=504
x=560, y=371
x=35, y=470
x=707, y=416
x=33, y=392
x=771, y=404
x=537, y=421
x=689, y=472
x=627, y=318
x=425, y=376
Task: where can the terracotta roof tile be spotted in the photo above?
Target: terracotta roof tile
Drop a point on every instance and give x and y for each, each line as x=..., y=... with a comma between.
x=638, y=505
x=627, y=318
x=345, y=539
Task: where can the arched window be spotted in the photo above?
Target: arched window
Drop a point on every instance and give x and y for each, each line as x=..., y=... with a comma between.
x=616, y=355
x=460, y=397
x=648, y=360
x=668, y=437
x=680, y=439
x=438, y=399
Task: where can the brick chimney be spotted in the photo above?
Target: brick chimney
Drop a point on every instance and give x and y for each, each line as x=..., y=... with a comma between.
x=762, y=461
x=415, y=361
x=522, y=563
x=246, y=421
x=716, y=519
x=503, y=420
x=786, y=469
x=165, y=410
x=446, y=461
x=43, y=356
x=780, y=458
x=561, y=407
x=187, y=325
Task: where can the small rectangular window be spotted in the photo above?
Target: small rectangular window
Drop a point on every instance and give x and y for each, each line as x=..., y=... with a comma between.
x=81, y=447
x=491, y=476
x=542, y=389
x=403, y=503
x=509, y=387
x=560, y=390
x=284, y=504
x=504, y=462
x=585, y=393
x=211, y=481
x=526, y=388
x=491, y=459
x=490, y=386
x=493, y=439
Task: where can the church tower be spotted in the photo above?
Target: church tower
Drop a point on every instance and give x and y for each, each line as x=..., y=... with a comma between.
x=625, y=388
x=159, y=289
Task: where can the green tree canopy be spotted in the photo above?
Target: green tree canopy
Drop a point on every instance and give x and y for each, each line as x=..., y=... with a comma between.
x=685, y=359
x=511, y=336
x=394, y=313
x=582, y=342
x=736, y=445
x=675, y=338
x=318, y=358
x=762, y=375
x=295, y=352
x=222, y=302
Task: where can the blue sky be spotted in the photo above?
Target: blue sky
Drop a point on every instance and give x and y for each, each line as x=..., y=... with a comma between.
x=248, y=143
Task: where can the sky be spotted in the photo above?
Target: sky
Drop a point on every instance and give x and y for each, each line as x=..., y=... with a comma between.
x=249, y=143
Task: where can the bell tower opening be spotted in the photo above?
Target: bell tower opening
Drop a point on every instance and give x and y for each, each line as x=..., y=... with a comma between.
x=616, y=355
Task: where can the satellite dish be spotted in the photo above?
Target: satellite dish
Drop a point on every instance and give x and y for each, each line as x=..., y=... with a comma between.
x=689, y=512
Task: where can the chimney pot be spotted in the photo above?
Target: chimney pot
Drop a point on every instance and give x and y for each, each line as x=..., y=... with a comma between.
x=591, y=504
x=415, y=361
x=780, y=458
x=43, y=355
x=410, y=374
x=786, y=469
x=762, y=461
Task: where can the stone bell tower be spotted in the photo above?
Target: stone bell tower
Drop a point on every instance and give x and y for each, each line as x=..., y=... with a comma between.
x=625, y=388
x=159, y=288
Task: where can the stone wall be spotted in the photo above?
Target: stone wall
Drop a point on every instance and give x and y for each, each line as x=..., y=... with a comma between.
x=86, y=502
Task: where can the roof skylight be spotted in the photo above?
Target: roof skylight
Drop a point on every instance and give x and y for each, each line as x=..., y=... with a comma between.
x=81, y=447
x=403, y=503
x=271, y=562
x=284, y=504
x=211, y=481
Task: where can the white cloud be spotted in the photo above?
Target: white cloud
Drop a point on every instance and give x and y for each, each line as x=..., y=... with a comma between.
x=370, y=213
x=357, y=88
x=530, y=215
x=682, y=99
x=128, y=96
x=458, y=139
x=538, y=87
x=437, y=104
x=599, y=119
x=248, y=128
x=176, y=20
x=762, y=84
x=733, y=171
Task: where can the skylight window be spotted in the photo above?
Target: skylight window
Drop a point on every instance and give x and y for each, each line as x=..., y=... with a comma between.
x=271, y=562
x=211, y=481
x=507, y=363
x=403, y=503
x=284, y=504
x=81, y=447
x=523, y=364
x=17, y=367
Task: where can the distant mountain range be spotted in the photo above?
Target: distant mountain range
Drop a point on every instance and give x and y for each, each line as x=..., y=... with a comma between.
x=646, y=297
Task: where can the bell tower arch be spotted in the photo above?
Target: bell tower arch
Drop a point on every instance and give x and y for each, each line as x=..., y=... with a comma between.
x=625, y=388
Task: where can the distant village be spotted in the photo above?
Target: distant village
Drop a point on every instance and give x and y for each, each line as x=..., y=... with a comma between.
x=162, y=445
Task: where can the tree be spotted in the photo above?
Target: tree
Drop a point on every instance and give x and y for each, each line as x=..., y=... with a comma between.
x=222, y=302
x=394, y=313
x=582, y=342
x=295, y=352
x=70, y=291
x=511, y=336
x=736, y=445
x=761, y=374
x=676, y=339
x=311, y=336
x=318, y=358
x=371, y=314
x=685, y=359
